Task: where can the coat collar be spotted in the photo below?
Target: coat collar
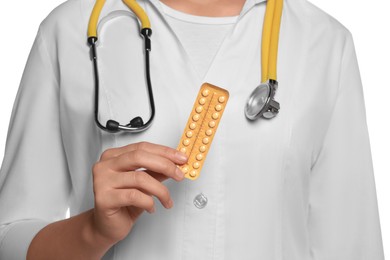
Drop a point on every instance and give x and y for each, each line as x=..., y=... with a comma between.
x=247, y=6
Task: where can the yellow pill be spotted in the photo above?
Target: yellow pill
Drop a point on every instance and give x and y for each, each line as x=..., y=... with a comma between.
x=185, y=169
x=211, y=123
x=199, y=109
x=199, y=156
x=193, y=173
x=215, y=115
x=192, y=126
x=195, y=117
x=202, y=101
x=218, y=107
x=186, y=142
x=183, y=150
x=196, y=165
x=205, y=92
x=189, y=134
x=202, y=148
x=206, y=140
x=209, y=132
x=221, y=99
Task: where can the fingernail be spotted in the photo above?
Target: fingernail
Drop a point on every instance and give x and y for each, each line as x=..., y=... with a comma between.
x=181, y=156
x=179, y=173
x=170, y=203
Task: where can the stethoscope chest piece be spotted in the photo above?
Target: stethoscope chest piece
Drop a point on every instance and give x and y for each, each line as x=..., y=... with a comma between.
x=261, y=102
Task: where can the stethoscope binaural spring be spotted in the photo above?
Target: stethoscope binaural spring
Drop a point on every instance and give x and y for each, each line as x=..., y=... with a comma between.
x=260, y=103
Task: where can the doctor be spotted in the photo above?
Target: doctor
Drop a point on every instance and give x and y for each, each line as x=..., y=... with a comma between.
x=298, y=186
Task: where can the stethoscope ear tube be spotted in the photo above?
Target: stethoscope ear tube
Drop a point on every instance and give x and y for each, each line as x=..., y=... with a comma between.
x=136, y=124
x=132, y=4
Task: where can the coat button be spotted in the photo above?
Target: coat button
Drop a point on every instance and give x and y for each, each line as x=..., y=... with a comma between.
x=200, y=201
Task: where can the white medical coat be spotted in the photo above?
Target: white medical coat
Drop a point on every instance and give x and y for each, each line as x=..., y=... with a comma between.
x=297, y=187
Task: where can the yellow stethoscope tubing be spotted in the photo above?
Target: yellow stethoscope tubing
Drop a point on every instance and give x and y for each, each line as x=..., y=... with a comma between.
x=132, y=4
x=270, y=40
x=139, y=12
x=270, y=34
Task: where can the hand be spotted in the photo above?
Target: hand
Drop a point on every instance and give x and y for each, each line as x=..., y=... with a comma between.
x=122, y=191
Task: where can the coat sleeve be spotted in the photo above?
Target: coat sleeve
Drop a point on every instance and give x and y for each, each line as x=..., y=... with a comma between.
x=343, y=211
x=34, y=178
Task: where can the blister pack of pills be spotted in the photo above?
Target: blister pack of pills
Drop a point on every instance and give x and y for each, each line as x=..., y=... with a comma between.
x=201, y=127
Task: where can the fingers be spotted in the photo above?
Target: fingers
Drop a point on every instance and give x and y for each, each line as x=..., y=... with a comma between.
x=157, y=149
x=141, y=159
x=145, y=182
x=158, y=176
x=118, y=182
x=119, y=198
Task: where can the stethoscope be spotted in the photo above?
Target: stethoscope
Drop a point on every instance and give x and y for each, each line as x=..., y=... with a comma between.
x=260, y=103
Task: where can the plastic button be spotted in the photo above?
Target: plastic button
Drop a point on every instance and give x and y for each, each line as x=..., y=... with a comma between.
x=200, y=201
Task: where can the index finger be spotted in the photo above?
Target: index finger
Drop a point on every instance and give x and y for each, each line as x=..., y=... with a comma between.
x=161, y=150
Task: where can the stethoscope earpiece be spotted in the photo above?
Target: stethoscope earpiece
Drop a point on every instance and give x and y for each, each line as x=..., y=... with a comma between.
x=136, y=122
x=113, y=126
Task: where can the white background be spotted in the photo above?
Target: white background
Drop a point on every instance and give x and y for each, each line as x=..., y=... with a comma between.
x=19, y=21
